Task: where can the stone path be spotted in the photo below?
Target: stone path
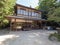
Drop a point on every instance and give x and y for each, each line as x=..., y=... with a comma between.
x=34, y=37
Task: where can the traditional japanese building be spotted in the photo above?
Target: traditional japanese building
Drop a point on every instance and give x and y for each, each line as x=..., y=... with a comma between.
x=25, y=18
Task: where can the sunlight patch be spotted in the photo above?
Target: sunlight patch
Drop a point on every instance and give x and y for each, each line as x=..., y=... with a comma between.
x=5, y=37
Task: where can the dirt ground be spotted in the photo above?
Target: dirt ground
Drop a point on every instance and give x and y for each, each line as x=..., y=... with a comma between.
x=33, y=37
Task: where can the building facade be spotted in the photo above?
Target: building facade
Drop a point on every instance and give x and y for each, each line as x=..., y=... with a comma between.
x=25, y=18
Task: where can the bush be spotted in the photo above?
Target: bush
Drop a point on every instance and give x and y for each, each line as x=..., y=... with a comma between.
x=55, y=35
x=4, y=24
x=59, y=37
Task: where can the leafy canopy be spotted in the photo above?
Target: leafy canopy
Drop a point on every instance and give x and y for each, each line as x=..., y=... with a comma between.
x=6, y=8
x=51, y=8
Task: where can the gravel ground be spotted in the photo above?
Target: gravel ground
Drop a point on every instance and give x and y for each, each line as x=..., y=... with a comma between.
x=33, y=37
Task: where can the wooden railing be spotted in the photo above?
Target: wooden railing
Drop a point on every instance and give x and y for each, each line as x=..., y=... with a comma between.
x=27, y=16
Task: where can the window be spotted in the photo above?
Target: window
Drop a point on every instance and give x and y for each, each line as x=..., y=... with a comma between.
x=33, y=14
x=36, y=14
x=26, y=13
x=30, y=13
x=18, y=11
x=22, y=11
x=39, y=15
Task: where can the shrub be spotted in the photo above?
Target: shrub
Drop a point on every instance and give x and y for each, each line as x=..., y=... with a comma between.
x=4, y=24
x=56, y=35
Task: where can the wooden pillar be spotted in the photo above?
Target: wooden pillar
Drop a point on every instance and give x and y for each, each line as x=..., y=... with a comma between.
x=15, y=26
x=41, y=24
x=28, y=12
x=31, y=13
x=10, y=25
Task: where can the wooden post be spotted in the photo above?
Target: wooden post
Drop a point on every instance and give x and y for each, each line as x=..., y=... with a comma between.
x=15, y=25
x=10, y=25
x=41, y=23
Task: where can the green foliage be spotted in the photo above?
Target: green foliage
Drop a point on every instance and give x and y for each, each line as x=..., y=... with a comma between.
x=54, y=15
x=46, y=4
x=6, y=8
x=36, y=7
x=51, y=8
x=55, y=35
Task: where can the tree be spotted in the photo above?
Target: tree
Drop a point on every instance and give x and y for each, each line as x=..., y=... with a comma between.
x=52, y=7
x=46, y=5
x=36, y=7
x=6, y=8
x=54, y=15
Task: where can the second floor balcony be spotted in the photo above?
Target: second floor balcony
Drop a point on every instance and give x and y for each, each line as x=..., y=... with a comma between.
x=28, y=14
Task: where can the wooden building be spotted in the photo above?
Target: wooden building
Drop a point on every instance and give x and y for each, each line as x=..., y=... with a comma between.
x=25, y=18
